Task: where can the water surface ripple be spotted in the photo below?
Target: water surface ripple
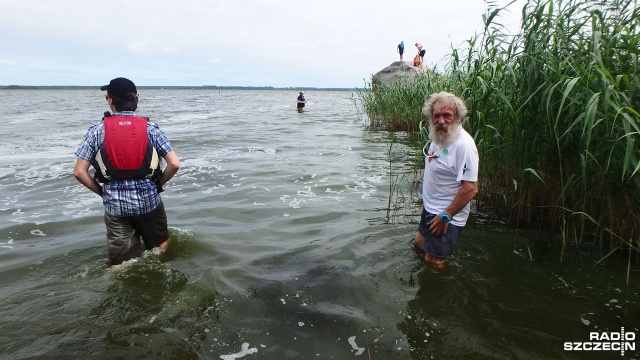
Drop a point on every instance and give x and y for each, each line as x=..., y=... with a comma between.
x=280, y=247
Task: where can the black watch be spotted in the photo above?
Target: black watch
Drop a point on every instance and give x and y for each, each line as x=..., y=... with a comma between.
x=445, y=218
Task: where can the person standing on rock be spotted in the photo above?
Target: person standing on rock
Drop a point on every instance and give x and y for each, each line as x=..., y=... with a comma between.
x=421, y=53
x=401, y=49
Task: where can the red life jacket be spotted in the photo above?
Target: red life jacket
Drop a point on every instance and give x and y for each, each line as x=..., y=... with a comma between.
x=126, y=152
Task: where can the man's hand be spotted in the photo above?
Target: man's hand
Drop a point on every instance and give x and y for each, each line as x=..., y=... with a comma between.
x=438, y=227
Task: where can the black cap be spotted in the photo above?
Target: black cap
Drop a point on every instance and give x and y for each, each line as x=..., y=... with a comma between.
x=120, y=87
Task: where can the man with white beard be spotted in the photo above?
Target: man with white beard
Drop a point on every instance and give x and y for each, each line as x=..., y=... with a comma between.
x=450, y=177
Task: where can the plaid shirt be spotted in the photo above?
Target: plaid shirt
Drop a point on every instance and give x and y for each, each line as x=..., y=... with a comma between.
x=129, y=197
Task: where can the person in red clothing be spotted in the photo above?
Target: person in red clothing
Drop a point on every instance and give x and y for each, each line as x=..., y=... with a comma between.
x=421, y=53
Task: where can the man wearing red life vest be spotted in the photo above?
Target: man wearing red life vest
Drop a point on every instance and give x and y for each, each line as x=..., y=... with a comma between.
x=125, y=151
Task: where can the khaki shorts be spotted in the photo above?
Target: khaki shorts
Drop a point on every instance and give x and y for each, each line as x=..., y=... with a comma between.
x=124, y=234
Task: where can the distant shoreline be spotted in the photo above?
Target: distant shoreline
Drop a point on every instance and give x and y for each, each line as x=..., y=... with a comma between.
x=203, y=87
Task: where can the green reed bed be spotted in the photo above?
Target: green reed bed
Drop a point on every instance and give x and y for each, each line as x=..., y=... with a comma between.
x=397, y=105
x=555, y=113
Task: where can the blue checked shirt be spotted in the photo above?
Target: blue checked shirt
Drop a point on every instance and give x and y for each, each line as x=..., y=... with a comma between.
x=129, y=197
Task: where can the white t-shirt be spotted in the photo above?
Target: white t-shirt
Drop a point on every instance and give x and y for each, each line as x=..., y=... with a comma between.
x=444, y=168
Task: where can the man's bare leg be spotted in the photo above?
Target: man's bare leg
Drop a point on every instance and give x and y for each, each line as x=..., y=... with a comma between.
x=434, y=259
x=418, y=242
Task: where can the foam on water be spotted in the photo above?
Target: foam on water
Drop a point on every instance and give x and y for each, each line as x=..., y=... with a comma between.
x=352, y=342
x=6, y=172
x=244, y=351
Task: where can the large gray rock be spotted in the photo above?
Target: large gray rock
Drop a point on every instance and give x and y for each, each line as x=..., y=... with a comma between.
x=396, y=71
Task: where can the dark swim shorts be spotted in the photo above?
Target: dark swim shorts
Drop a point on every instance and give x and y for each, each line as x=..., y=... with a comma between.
x=422, y=52
x=440, y=246
x=124, y=233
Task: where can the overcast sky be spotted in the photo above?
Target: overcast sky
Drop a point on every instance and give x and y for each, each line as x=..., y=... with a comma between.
x=280, y=43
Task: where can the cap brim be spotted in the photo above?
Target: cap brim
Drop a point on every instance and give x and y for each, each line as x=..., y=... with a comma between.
x=104, y=87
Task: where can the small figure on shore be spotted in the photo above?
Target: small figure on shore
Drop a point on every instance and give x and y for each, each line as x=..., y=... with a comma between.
x=421, y=53
x=450, y=177
x=301, y=102
x=401, y=49
x=126, y=153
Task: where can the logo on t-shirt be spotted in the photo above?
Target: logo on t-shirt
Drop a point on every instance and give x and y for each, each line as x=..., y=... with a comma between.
x=432, y=155
x=465, y=169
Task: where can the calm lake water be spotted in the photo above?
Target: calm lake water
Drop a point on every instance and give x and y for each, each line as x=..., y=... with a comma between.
x=281, y=247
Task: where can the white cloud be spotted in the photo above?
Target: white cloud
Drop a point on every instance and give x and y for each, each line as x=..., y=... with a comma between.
x=332, y=43
x=150, y=50
x=4, y=62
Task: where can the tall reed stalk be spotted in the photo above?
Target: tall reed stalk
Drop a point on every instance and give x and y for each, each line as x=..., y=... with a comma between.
x=555, y=111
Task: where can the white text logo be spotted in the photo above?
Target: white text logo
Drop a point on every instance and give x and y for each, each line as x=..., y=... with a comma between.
x=605, y=341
